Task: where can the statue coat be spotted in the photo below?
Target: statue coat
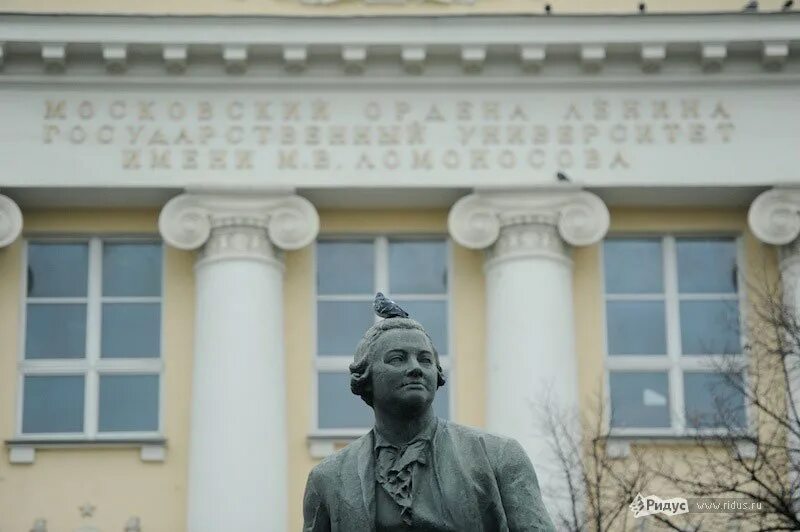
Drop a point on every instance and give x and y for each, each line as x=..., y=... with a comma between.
x=487, y=481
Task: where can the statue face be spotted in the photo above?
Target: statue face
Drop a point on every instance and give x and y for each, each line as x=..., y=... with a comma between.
x=404, y=373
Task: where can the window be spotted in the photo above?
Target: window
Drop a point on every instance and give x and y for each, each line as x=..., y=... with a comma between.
x=413, y=272
x=91, y=355
x=672, y=332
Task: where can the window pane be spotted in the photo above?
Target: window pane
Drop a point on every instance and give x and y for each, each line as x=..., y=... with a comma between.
x=713, y=400
x=58, y=270
x=128, y=403
x=345, y=267
x=418, y=267
x=337, y=406
x=639, y=399
x=132, y=269
x=433, y=316
x=636, y=328
x=52, y=404
x=710, y=327
x=55, y=330
x=706, y=265
x=341, y=324
x=131, y=330
x=633, y=266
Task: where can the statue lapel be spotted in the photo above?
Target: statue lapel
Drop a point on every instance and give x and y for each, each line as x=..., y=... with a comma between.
x=453, y=465
x=366, y=474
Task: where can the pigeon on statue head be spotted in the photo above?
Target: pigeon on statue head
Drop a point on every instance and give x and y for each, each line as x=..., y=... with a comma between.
x=386, y=308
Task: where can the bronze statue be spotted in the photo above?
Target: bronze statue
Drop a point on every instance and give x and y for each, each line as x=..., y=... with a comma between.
x=414, y=471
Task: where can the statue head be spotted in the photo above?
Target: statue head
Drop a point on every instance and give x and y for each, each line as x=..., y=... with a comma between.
x=396, y=362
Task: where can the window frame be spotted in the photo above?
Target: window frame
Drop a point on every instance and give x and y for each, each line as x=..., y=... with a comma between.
x=339, y=364
x=674, y=363
x=91, y=366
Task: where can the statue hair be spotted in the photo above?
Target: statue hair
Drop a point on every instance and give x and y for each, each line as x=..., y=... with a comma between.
x=360, y=376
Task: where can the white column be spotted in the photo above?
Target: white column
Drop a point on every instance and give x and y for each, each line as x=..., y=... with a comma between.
x=10, y=221
x=238, y=439
x=530, y=348
x=774, y=218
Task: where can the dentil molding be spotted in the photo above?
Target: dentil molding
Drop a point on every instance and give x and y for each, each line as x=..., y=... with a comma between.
x=528, y=219
x=236, y=225
x=774, y=216
x=10, y=221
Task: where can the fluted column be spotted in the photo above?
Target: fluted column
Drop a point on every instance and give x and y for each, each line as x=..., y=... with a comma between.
x=238, y=439
x=532, y=363
x=10, y=221
x=774, y=218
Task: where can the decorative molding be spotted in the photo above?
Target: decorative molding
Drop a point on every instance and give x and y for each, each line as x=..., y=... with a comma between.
x=153, y=453
x=235, y=57
x=637, y=41
x=10, y=221
x=24, y=451
x=593, y=56
x=354, y=58
x=712, y=56
x=54, y=55
x=116, y=57
x=653, y=56
x=238, y=225
x=775, y=54
x=22, y=454
x=295, y=57
x=535, y=238
x=532, y=57
x=414, y=58
x=618, y=449
x=774, y=216
x=238, y=239
x=472, y=58
x=176, y=57
x=528, y=220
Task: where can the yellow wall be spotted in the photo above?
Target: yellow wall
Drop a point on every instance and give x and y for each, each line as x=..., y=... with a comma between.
x=116, y=481
x=360, y=7
x=121, y=485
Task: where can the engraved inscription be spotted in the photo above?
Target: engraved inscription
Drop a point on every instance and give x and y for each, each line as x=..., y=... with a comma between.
x=322, y=134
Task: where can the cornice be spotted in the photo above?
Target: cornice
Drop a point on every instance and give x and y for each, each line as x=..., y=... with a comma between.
x=10, y=221
x=238, y=225
x=533, y=44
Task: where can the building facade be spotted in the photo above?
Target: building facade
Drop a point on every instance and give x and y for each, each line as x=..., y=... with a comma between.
x=198, y=202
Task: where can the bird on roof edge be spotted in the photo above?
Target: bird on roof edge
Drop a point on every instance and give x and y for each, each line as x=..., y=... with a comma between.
x=386, y=308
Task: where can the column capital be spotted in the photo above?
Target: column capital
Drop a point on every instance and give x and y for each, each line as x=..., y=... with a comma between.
x=774, y=216
x=475, y=221
x=290, y=221
x=10, y=221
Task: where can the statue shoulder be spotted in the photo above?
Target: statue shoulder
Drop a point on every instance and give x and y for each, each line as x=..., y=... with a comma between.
x=493, y=443
x=332, y=464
